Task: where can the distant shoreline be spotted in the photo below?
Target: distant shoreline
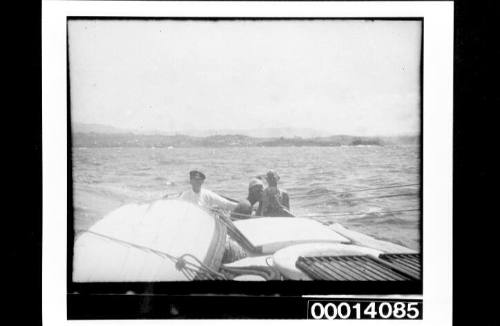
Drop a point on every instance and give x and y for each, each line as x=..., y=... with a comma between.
x=93, y=139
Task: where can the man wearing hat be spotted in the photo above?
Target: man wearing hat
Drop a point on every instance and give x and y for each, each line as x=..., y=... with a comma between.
x=204, y=197
x=275, y=201
x=255, y=190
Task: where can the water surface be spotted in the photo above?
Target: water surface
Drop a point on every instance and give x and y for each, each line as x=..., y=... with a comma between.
x=328, y=184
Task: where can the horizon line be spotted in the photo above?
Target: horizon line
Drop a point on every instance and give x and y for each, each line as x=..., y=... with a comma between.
x=232, y=132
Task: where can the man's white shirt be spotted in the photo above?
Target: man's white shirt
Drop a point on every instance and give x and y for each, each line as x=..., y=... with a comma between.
x=208, y=199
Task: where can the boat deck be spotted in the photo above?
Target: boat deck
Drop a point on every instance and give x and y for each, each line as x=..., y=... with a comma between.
x=390, y=267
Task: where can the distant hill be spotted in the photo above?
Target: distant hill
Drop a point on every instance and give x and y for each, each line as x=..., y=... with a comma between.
x=257, y=133
x=109, y=139
x=407, y=140
x=260, y=133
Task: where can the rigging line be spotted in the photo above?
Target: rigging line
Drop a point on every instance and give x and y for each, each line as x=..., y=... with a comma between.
x=386, y=187
x=359, y=190
x=159, y=253
x=376, y=197
x=366, y=213
x=327, y=215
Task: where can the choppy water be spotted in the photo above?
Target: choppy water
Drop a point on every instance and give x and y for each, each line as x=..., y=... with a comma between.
x=324, y=183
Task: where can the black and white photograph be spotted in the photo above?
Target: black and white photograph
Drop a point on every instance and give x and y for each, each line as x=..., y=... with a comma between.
x=246, y=155
x=185, y=135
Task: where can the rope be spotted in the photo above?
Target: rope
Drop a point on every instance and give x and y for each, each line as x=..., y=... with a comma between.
x=362, y=213
x=213, y=275
x=189, y=269
x=387, y=187
x=245, y=216
x=359, y=190
x=376, y=197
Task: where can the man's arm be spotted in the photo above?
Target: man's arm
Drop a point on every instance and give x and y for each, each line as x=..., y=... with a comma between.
x=216, y=200
x=286, y=199
x=259, y=209
x=265, y=203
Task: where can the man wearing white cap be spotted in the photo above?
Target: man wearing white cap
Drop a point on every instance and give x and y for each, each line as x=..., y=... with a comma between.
x=209, y=199
x=204, y=197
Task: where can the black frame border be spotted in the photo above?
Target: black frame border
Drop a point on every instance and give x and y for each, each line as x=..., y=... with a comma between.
x=86, y=300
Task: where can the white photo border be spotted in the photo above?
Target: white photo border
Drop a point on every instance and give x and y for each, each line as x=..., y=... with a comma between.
x=437, y=132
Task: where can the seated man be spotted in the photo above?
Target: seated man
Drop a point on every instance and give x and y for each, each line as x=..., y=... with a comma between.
x=275, y=201
x=246, y=206
x=204, y=197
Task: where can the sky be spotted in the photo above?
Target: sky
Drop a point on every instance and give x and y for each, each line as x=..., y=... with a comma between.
x=335, y=76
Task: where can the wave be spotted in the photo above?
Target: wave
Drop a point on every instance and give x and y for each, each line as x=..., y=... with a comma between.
x=83, y=160
x=172, y=162
x=119, y=193
x=86, y=179
x=140, y=174
x=382, y=218
x=164, y=181
x=319, y=191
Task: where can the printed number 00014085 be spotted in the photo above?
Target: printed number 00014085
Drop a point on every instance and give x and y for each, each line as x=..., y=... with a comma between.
x=364, y=310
